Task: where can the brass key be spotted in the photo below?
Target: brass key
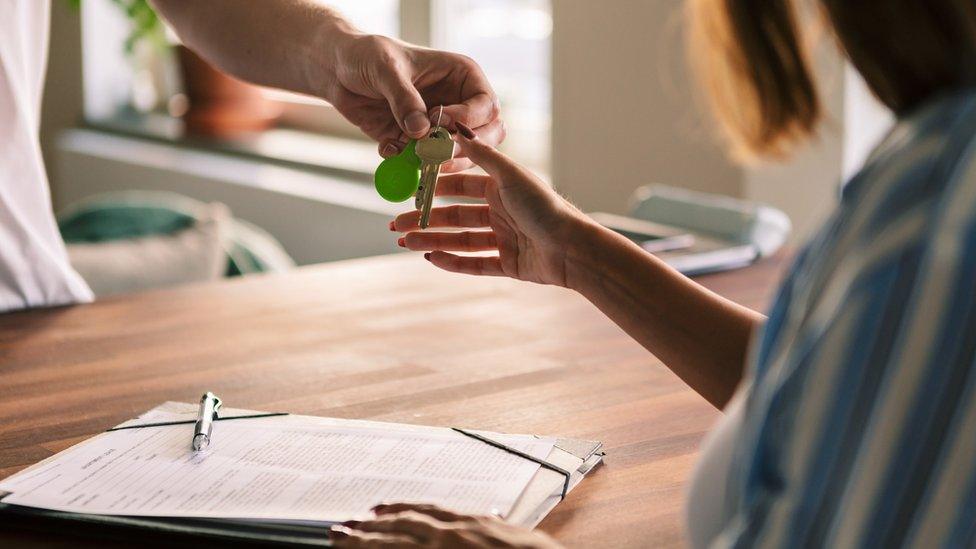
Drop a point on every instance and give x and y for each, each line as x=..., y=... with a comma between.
x=433, y=150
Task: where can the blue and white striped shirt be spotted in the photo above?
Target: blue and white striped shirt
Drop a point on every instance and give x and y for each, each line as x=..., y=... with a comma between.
x=860, y=427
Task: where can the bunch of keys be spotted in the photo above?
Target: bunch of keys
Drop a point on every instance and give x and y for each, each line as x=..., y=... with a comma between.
x=414, y=171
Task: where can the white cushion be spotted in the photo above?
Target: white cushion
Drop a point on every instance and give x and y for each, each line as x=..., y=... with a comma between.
x=194, y=254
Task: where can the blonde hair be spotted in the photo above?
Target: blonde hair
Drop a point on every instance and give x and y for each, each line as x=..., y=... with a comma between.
x=750, y=57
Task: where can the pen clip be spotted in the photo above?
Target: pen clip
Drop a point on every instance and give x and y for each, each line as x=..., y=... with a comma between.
x=217, y=404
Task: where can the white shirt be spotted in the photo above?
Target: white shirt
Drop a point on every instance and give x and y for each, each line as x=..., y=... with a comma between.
x=34, y=268
x=708, y=508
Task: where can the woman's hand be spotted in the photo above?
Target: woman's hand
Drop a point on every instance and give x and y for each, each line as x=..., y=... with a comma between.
x=530, y=226
x=413, y=525
x=393, y=91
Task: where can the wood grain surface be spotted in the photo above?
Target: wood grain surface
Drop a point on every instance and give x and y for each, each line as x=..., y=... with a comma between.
x=388, y=338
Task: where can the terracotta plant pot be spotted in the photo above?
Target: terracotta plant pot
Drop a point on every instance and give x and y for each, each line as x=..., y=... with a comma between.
x=220, y=105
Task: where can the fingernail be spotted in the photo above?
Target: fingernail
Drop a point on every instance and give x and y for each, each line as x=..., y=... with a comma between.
x=402, y=242
x=466, y=131
x=415, y=122
x=393, y=226
x=338, y=532
x=390, y=149
x=427, y=256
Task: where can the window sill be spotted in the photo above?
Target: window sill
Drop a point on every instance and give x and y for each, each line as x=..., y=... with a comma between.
x=346, y=157
x=317, y=214
x=350, y=159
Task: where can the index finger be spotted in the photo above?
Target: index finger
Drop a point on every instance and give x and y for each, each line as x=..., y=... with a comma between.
x=493, y=161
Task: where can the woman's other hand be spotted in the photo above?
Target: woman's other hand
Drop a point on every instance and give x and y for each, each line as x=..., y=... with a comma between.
x=415, y=525
x=530, y=226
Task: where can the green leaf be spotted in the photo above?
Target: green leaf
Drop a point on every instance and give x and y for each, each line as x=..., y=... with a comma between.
x=144, y=21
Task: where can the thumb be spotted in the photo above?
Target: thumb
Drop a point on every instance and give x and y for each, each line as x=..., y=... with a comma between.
x=405, y=102
x=481, y=153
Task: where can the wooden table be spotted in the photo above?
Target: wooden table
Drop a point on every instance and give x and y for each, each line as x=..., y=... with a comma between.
x=388, y=338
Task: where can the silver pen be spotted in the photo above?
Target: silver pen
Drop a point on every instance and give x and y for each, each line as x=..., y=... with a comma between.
x=209, y=404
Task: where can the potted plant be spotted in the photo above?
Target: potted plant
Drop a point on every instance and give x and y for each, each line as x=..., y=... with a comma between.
x=220, y=105
x=217, y=104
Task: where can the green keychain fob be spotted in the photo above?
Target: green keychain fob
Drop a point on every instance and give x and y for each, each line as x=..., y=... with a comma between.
x=398, y=177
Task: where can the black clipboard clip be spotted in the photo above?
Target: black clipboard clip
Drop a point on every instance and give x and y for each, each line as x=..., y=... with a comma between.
x=542, y=463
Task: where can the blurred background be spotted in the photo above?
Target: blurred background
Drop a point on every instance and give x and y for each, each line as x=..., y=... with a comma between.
x=596, y=97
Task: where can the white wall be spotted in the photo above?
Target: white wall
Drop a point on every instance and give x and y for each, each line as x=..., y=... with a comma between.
x=62, y=101
x=623, y=108
x=107, y=68
x=866, y=121
x=626, y=113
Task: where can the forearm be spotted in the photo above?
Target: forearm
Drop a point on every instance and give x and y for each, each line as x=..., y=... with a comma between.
x=288, y=44
x=698, y=334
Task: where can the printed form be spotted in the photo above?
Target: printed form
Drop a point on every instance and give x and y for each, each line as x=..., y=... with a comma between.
x=278, y=472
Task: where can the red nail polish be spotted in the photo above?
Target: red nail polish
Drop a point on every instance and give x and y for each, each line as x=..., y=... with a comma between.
x=402, y=242
x=393, y=226
x=427, y=256
x=465, y=131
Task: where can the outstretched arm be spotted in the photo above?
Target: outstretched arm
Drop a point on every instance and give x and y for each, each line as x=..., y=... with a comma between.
x=540, y=237
x=388, y=88
x=698, y=334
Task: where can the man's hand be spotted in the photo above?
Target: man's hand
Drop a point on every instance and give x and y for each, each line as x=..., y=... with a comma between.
x=393, y=91
x=386, y=87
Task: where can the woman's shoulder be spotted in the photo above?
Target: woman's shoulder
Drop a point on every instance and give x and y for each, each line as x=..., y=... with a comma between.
x=923, y=151
x=937, y=126
x=926, y=165
x=909, y=218
x=866, y=374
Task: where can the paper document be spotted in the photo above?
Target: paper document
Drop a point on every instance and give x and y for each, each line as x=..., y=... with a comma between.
x=275, y=471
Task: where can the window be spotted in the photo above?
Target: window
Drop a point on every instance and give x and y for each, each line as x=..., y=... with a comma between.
x=373, y=16
x=509, y=38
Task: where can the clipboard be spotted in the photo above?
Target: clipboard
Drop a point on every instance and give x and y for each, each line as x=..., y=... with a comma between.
x=541, y=495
